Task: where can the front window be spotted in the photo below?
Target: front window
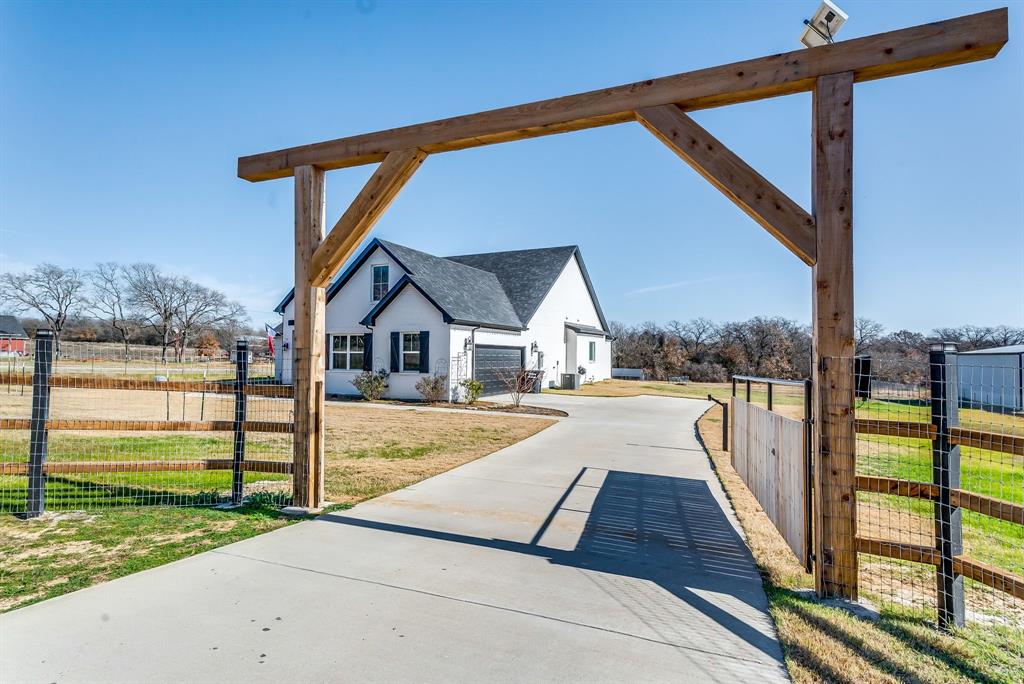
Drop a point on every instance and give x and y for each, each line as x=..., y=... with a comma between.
x=346, y=352
x=380, y=282
x=410, y=351
x=593, y=351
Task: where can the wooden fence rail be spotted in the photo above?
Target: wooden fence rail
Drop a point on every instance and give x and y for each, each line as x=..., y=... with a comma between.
x=139, y=384
x=79, y=467
x=149, y=425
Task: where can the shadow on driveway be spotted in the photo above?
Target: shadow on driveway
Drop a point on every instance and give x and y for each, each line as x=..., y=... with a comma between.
x=669, y=531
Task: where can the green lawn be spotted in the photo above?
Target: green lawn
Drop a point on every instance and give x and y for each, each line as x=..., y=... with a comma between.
x=99, y=490
x=63, y=552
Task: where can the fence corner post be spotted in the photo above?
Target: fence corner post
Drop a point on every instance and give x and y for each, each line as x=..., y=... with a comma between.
x=949, y=586
x=39, y=436
x=241, y=379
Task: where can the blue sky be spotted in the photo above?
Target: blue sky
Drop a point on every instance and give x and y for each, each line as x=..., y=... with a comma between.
x=120, y=126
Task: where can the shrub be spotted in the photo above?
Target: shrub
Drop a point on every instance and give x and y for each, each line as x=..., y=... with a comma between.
x=432, y=387
x=474, y=388
x=372, y=385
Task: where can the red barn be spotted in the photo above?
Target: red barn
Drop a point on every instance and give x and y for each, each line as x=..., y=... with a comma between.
x=13, y=338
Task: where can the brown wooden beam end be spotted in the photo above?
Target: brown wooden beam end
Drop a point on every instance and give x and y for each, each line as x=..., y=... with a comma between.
x=771, y=208
x=990, y=576
x=368, y=206
x=895, y=487
x=895, y=428
x=992, y=441
x=918, y=553
x=920, y=48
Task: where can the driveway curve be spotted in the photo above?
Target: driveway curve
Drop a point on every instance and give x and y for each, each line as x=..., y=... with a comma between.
x=601, y=549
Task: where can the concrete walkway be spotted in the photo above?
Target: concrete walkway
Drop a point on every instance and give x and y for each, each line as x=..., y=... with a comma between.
x=602, y=549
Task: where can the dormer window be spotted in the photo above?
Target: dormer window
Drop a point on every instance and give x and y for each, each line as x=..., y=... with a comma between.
x=380, y=282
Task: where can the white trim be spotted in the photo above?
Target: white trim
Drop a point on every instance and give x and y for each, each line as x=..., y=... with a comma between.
x=347, y=352
x=402, y=352
x=373, y=281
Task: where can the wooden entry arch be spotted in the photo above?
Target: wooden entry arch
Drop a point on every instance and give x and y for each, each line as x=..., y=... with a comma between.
x=823, y=238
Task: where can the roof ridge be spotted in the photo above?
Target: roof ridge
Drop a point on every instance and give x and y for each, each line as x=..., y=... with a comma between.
x=434, y=256
x=513, y=251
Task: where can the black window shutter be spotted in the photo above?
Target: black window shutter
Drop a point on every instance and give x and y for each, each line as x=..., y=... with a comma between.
x=367, y=351
x=396, y=349
x=328, y=352
x=424, y=351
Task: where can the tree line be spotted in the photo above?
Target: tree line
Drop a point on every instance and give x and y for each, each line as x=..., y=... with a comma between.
x=707, y=351
x=131, y=304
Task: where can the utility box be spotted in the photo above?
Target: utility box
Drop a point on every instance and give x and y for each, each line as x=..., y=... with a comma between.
x=570, y=381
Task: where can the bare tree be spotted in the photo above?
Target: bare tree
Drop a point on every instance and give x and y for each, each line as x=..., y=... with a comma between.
x=865, y=333
x=200, y=308
x=696, y=336
x=52, y=291
x=157, y=296
x=1005, y=335
x=518, y=381
x=110, y=299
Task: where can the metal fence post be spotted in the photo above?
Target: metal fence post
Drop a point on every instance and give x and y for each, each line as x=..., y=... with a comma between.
x=946, y=474
x=809, y=472
x=241, y=378
x=39, y=435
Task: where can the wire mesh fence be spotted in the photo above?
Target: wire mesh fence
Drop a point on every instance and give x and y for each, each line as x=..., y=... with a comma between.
x=90, y=426
x=940, y=487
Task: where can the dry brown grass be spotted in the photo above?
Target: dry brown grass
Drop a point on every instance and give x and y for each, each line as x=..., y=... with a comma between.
x=371, y=451
x=827, y=643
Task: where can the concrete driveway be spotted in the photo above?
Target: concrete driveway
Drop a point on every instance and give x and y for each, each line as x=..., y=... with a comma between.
x=601, y=549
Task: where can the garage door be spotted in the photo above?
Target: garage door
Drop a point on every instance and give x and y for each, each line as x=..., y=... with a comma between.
x=490, y=358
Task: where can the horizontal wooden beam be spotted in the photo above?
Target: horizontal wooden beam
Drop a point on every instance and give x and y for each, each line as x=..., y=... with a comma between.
x=90, y=424
x=895, y=487
x=112, y=383
x=895, y=428
x=987, y=505
x=993, y=441
x=917, y=553
x=958, y=498
x=771, y=208
x=989, y=575
x=368, y=206
x=930, y=46
x=82, y=467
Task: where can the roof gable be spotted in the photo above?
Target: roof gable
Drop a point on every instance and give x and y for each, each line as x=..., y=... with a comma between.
x=527, y=275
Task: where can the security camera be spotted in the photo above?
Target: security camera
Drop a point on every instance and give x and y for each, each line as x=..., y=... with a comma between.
x=824, y=25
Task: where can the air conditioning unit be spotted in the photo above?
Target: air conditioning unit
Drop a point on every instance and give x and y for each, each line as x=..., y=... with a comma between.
x=570, y=381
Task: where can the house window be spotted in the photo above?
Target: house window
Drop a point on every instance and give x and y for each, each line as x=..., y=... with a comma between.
x=411, y=352
x=346, y=352
x=380, y=282
x=593, y=352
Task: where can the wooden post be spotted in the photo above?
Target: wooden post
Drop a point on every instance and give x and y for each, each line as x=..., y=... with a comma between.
x=39, y=435
x=308, y=346
x=949, y=585
x=241, y=379
x=834, y=438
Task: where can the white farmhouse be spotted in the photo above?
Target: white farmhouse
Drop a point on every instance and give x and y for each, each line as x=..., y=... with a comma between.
x=413, y=313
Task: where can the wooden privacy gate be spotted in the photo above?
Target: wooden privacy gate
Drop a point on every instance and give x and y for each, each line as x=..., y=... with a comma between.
x=769, y=452
x=822, y=239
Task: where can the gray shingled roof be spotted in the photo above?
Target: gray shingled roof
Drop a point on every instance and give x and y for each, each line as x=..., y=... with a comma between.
x=466, y=294
x=499, y=289
x=10, y=326
x=526, y=275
